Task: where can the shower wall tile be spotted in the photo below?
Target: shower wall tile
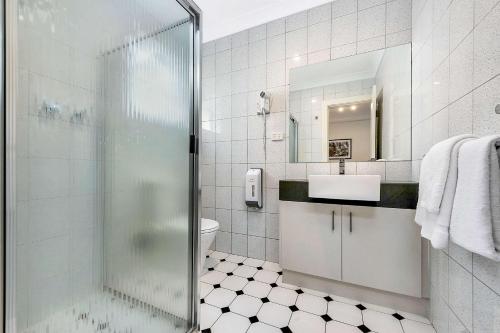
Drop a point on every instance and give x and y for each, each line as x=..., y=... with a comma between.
x=259, y=59
x=456, y=67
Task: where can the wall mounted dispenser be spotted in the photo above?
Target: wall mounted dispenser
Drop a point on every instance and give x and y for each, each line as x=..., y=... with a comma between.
x=253, y=188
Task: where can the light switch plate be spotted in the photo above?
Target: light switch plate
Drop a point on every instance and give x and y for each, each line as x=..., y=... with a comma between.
x=277, y=136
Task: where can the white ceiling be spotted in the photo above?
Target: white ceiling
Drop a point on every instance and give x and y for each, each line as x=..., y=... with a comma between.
x=225, y=17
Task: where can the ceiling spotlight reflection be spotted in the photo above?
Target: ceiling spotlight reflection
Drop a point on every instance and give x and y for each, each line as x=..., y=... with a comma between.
x=353, y=107
x=341, y=109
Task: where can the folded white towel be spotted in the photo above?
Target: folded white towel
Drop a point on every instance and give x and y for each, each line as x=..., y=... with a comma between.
x=435, y=226
x=475, y=220
x=434, y=172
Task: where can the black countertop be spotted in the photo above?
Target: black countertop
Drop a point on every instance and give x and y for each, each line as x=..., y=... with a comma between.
x=402, y=195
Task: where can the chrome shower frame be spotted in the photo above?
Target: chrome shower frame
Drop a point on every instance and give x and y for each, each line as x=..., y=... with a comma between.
x=8, y=65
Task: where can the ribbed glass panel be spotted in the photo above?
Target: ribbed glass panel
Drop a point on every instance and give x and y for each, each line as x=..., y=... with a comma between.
x=103, y=114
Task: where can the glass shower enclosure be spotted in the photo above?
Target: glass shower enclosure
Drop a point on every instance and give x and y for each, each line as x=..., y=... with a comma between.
x=101, y=187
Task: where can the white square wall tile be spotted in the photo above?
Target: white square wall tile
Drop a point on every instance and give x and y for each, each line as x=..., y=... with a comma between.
x=256, y=224
x=272, y=225
x=319, y=37
x=398, y=16
x=344, y=7
x=344, y=30
x=296, y=21
x=239, y=128
x=276, y=49
x=223, y=242
x=296, y=43
x=223, y=216
x=223, y=197
x=239, y=221
x=223, y=174
x=272, y=250
x=239, y=152
x=371, y=22
x=257, y=247
x=239, y=244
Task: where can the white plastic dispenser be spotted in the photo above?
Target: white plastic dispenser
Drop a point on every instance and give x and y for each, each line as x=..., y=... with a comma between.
x=253, y=188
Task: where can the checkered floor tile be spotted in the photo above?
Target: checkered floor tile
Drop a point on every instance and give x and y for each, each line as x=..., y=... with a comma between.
x=241, y=294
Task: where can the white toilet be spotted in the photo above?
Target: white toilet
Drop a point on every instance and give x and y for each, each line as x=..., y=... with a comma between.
x=208, y=230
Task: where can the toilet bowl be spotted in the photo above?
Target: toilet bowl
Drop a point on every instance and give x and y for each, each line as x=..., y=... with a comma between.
x=208, y=230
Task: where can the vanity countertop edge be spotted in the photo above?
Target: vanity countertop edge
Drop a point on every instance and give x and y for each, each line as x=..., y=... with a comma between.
x=402, y=195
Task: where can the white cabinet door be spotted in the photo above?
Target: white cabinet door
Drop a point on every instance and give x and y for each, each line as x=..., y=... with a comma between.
x=381, y=249
x=310, y=238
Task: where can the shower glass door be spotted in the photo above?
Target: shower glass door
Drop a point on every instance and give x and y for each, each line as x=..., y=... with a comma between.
x=100, y=229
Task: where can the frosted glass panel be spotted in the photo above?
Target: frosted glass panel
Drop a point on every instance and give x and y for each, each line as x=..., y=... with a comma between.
x=103, y=118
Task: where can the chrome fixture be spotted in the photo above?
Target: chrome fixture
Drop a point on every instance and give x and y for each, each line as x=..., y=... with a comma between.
x=497, y=109
x=342, y=166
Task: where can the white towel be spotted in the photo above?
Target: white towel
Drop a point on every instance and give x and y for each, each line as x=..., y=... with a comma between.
x=434, y=172
x=475, y=221
x=435, y=226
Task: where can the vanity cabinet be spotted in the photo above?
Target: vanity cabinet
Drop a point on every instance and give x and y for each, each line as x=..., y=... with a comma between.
x=311, y=235
x=368, y=246
x=381, y=249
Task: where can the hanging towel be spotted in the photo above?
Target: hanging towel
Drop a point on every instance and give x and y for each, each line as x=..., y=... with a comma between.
x=434, y=172
x=475, y=220
x=435, y=226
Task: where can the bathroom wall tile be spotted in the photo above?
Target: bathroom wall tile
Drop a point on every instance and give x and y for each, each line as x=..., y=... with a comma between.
x=257, y=247
x=272, y=200
x=440, y=88
x=372, y=44
x=223, y=197
x=208, y=65
x=239, y=101
x=460, y=293
x=239, y=221
x=461, y=21
x=342, y=51
x=256, y=224
x=48, y=178
x=237, y=198
x=440, y=126
x=223, y=152
x=223, y=44
x=487, y=272
x=318, y=169
x=223, y=130
x=223, y=216
x=256, y=151
x=455, y=325
x=296, y=43
x=223, y=241
x=461, y=69
x=441, y=41
x=208, y=88
x=486, y=48
x=344, y=29
x=276, y=48
x=272, y=250
x=238, y=173
x=208, y=196
x=208, y=110
x=319, y=37
x=398, y=38
x=275, y=124
x=364, y=4
x=344, y=7
x=318, y=56
x=255, y=127
x=208, y=48
x=482, y=8
x=485, y=98
x=371, y=22
x=223, y=85
x=460, y=255
x=398, y=16
x=319, y=14
x=207, y=153
x=296, y=21
x=239, y=58
x=257, y=78
x=486, y=305
x=223, y=174
x=239, y=39
x=275, y=151
x=208, y=131
x=276, y=74
x=274, y=173
x=276, y=27
x=223, y=62
x=278, y=99
x=239, y=128
x=257, y=33
x=257, y=52
x=272, y=225
x=223, y=107
x=207, y=174
x=239, y=245
x=371, y=168
x=439, y=312
x=239, y=81
x=398, y=171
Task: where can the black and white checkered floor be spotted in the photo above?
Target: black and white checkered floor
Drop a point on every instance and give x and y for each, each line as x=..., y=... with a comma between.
x=241, y=294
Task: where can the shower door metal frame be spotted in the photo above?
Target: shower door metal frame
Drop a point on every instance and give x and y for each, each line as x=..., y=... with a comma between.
x=8, y=68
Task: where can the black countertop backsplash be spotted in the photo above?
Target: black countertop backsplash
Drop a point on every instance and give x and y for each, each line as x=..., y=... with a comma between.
x=402, y=195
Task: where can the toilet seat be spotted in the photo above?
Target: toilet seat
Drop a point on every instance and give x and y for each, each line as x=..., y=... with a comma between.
x=208, y=226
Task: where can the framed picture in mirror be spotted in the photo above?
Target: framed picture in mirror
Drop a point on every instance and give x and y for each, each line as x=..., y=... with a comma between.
x=340, y=148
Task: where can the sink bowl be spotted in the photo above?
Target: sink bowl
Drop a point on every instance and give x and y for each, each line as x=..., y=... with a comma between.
x=345, y=187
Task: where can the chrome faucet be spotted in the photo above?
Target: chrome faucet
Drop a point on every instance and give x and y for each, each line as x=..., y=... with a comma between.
x=342, y=166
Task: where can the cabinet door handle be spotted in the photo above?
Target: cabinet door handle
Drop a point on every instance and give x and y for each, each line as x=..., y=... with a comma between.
x=350, y=222
x=333, y=220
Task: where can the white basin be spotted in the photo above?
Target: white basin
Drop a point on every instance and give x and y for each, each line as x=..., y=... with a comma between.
x=345, y=187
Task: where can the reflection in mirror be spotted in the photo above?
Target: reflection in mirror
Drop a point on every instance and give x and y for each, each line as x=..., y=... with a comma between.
x=357, y=108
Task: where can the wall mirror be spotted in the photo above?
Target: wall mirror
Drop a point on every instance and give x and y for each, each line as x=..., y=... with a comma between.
x=357, y=108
